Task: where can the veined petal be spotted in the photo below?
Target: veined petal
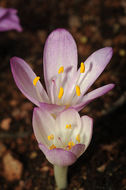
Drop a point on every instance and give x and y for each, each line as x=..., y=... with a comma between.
x=93, y=95
x=43, y=125
x=86, y=130
x=58, y=156
x=94, y=66
x=24, y=76
x=60, y=50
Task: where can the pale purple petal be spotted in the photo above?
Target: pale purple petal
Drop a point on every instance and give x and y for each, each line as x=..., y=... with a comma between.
x=3, y=11
x=24, y=76
x=94, y=66
x=60, y=50
x=43, y=125
x=9, y=20
x=52, y=108
x=58, y=156
x=78, y=149
x=68, y=117
x=87, y=129
x=93, y=95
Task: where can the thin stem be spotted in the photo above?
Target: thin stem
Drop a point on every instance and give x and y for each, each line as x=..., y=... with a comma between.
x=60, y=174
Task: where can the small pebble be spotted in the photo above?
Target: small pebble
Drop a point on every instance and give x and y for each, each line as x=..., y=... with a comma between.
x=122, y=52
x=84, y=39
x=12, y=168
x=5, y=124
x=33, y=155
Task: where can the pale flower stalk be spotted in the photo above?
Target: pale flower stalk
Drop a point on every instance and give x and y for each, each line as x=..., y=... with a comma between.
x=63, y=139
x=66, y=86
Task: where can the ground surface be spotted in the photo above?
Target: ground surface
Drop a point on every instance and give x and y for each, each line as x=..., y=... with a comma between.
x=94, y=24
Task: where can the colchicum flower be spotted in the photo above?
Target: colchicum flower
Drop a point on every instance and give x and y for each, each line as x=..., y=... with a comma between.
x=66, y=86
x=9, y=20
x=62, y=139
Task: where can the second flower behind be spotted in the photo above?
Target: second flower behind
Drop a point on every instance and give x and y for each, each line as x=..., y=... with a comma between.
x=62, y=138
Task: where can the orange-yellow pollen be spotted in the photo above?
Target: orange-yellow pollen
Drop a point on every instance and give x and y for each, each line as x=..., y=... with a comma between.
x=61, y=91
x=67, y=106
x=68, y=126
x=78, y=92
x=82, y=68
x=61, y=70
x=78, y=138
x=50, y=137
x=54, y=116
x=52, y=146
x=70, y=144
x=35, y=80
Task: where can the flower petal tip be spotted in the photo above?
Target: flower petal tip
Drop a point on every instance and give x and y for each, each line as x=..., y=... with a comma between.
x=110, y=51
x=112, y=85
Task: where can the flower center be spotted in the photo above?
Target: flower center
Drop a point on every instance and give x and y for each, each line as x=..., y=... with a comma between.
x=77, y=87
x=64, y=145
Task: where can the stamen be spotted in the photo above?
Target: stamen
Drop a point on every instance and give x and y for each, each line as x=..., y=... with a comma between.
x=67, y=106
x=52, y=146
x=82, y=68
x=54, y=115
x=35, y=80
x=50, y=137
x=78, y=138
x=70, y=144
x=78, y=90
x=61, y=93
x=68, y=126
x=61, y=70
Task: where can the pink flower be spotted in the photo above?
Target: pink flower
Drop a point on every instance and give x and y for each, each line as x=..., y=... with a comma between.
x=66, y=86
x=9, y=20
x=63, y=138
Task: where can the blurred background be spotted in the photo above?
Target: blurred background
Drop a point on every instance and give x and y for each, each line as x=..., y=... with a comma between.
x=94, y=24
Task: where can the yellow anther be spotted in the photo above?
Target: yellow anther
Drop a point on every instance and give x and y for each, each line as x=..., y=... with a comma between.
x=35, y=80
x=54, y=115
x=61, y=91
x=52, y=146
x=61, y=70
x=78, y=138
x=78, y=90
x=82, y=68
x=50, y=137
x=70, y=144
x=68, y=126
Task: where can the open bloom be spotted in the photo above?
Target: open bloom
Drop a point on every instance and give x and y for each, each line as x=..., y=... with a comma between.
x=9, y=20
x=66, y=86
x=64, y=138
